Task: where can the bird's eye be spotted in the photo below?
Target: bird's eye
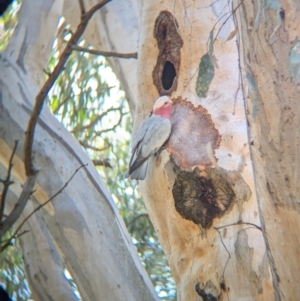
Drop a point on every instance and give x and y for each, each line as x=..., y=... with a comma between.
x=166, y=103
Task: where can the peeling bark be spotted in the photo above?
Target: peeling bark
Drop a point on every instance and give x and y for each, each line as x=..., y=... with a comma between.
x=203, y=179
x=269, y=39
x=209, y=76
x=81, y=228
x=228, y=259
x=201, y=133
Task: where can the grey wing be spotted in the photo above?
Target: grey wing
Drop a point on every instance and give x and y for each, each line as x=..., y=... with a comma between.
x=158, y=131
x=156, y=136
x=141, y=133
x=140, y=172
x=136, y=142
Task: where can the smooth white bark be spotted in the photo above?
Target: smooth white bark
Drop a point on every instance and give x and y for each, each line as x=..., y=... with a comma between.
x=193, y=256
x=269, y=50
x=114, y=28
x=196, y=258
x=262, y=31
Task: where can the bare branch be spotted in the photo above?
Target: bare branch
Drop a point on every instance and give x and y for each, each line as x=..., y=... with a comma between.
x=230, y=15
x=220, y=235
x=93, y=122
x=97, y=149
x=238, y=223
x=68, y=88
x=7, y=182
x=136, y=218
x=132, y=55
x=39, y=101
x=102, y=162
x=82, y=7
x=20, y=205
x=61, y=104
x=229, y=256
x=38, y=208
x=99, y=133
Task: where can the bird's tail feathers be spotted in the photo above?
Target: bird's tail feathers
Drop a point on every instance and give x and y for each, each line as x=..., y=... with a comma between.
x=140, y=172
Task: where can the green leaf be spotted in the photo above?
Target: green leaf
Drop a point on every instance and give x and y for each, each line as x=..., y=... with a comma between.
x=205, y=75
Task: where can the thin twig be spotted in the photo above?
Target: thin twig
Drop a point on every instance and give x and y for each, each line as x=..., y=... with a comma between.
x=11, y=238
x=94, y=148
x=20, y=205
x=7, y=182
x=39, y=101
x=229, y=255
x=102, y=162
x=231, y=14
x=69, y=86
x=39, y=207
x=99, y=133
x=93, y=122
x=55, y=111
x=132, y=55
x=136, y=218
x=229, y=225
x=238, y=223
x=223, y=242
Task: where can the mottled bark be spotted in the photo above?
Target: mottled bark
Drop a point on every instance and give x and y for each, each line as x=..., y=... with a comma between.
x=269, y=50
x=228, y=234
x=81, y=228
x=213, y=75
x=200, y=192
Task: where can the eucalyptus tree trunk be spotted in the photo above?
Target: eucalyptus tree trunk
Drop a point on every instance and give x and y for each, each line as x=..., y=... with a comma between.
x=81, y=229
x=229, y=233
x=201, y=191
x=269, y=48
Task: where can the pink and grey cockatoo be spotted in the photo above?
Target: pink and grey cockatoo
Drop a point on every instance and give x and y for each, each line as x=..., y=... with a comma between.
x=150, y=138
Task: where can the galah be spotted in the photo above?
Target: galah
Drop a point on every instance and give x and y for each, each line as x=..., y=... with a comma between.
x=150, y=138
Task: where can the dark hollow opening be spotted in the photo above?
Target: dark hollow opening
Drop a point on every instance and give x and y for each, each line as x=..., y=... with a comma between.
x=168, y=75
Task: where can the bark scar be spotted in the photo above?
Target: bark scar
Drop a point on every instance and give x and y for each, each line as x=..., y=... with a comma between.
x=169, y=42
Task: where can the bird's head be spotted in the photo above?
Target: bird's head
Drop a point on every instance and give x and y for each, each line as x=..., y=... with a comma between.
x=163, y=106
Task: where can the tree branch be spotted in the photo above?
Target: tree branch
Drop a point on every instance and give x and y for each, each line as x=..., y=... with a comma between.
x=82, y=7
x=7, y=182
x=136, y=218
x=68, y=89
x=99, y=133
x=94, y=148
x=20, y=205
x=38, y=208
x=230, y=15
x=238, y=223
x=39, y=101
x=11, y=238
x=102, y=162
x=93, y=122
x=132, y=55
